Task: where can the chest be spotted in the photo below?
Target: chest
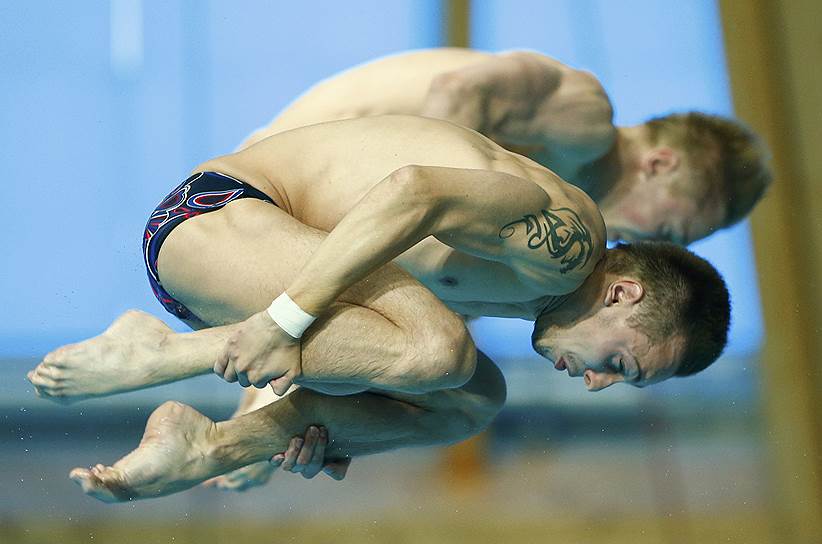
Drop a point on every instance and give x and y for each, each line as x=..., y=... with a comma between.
x=470, y=285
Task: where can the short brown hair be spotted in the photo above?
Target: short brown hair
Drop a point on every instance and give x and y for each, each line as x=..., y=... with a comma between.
x=684, y=294
x=732, y=158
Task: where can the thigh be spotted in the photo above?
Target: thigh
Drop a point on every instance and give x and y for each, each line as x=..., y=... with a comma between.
x=231, y=263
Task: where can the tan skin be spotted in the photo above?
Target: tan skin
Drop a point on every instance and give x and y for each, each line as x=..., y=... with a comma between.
x=406, y=364
x=534, y=105
x=524, y=101
x=390, y=207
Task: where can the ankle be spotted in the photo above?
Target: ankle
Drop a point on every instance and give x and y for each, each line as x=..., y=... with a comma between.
x=230, y=448
x=258, y=435
x=220, y=448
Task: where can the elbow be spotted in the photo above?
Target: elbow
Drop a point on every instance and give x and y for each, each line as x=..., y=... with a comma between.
x=411, y=187
x=411, y=179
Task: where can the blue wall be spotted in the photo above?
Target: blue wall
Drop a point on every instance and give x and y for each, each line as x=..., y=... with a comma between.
x=107, y=105
x=653, y=58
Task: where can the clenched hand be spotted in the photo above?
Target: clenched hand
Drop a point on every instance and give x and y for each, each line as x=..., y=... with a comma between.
x=259, y=352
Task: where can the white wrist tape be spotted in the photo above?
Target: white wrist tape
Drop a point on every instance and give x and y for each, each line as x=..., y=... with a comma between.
x=289, y=316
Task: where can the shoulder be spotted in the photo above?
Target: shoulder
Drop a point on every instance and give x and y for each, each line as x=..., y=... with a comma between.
x=587, y=216
x=568, y=229
x=579, y=234
x=579, y=116
x=532, y=66
x=582, y=90
x=575, y=86
x=534, y=63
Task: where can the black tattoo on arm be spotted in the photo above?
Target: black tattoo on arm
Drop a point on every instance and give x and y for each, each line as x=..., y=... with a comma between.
x=562, y=233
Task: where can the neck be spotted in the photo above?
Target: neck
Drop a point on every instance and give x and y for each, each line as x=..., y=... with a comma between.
x=613, y=175
x=578, y=305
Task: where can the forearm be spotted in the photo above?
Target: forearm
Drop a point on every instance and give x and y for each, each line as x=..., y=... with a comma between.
x=393, y=216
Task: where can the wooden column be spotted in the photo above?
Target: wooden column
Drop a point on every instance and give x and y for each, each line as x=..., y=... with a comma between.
x=773, y=49
x=457, y=23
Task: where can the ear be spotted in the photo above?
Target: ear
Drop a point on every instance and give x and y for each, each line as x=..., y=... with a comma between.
x=624, y=291
x=660, y=160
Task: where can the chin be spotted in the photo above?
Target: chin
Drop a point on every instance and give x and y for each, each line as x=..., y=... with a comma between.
x=544, y=349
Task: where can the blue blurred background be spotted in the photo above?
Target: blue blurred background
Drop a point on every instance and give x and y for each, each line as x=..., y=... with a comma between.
x=108, y=104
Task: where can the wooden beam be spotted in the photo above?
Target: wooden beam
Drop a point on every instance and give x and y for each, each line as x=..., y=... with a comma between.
x=458, y=23
x=770, y=45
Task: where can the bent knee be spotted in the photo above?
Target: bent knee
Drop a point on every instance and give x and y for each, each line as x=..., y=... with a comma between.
x=444, y=358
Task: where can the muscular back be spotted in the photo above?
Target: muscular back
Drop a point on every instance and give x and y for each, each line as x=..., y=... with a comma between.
x=396, y=84
x=524, y=101
x=319, y=173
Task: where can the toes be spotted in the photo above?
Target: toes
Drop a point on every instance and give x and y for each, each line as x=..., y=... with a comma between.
x=41, y=392
x=81, y=476
x=240, y=483
x=244, y=478
x=91, y=484
x=55, y=358
x=99, y=482
x=46, y=376
x=52, y=392
x=235, y=481
x=231, y=483
x=39, y=379
x=212, y=482
x=243, y=486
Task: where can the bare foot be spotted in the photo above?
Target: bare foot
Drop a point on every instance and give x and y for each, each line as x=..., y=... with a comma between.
x=172, y=456
x=124, y=358
x=245, y=478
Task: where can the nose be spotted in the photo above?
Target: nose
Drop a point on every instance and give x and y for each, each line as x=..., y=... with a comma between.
x=596, y=381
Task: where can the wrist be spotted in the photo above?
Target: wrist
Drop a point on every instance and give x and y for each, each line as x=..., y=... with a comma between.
x=288, y=315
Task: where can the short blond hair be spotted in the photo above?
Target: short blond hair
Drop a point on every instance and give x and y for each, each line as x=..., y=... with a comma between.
x=733, y=159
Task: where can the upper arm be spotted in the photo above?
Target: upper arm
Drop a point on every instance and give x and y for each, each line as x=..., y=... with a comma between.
x=577, y=118
x=484, y=94
x=549, y=237
x=526, y=98
x=573, y=115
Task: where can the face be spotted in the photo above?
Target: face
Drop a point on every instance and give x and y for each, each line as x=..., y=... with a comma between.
x=656, y=207
x=604, y=349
